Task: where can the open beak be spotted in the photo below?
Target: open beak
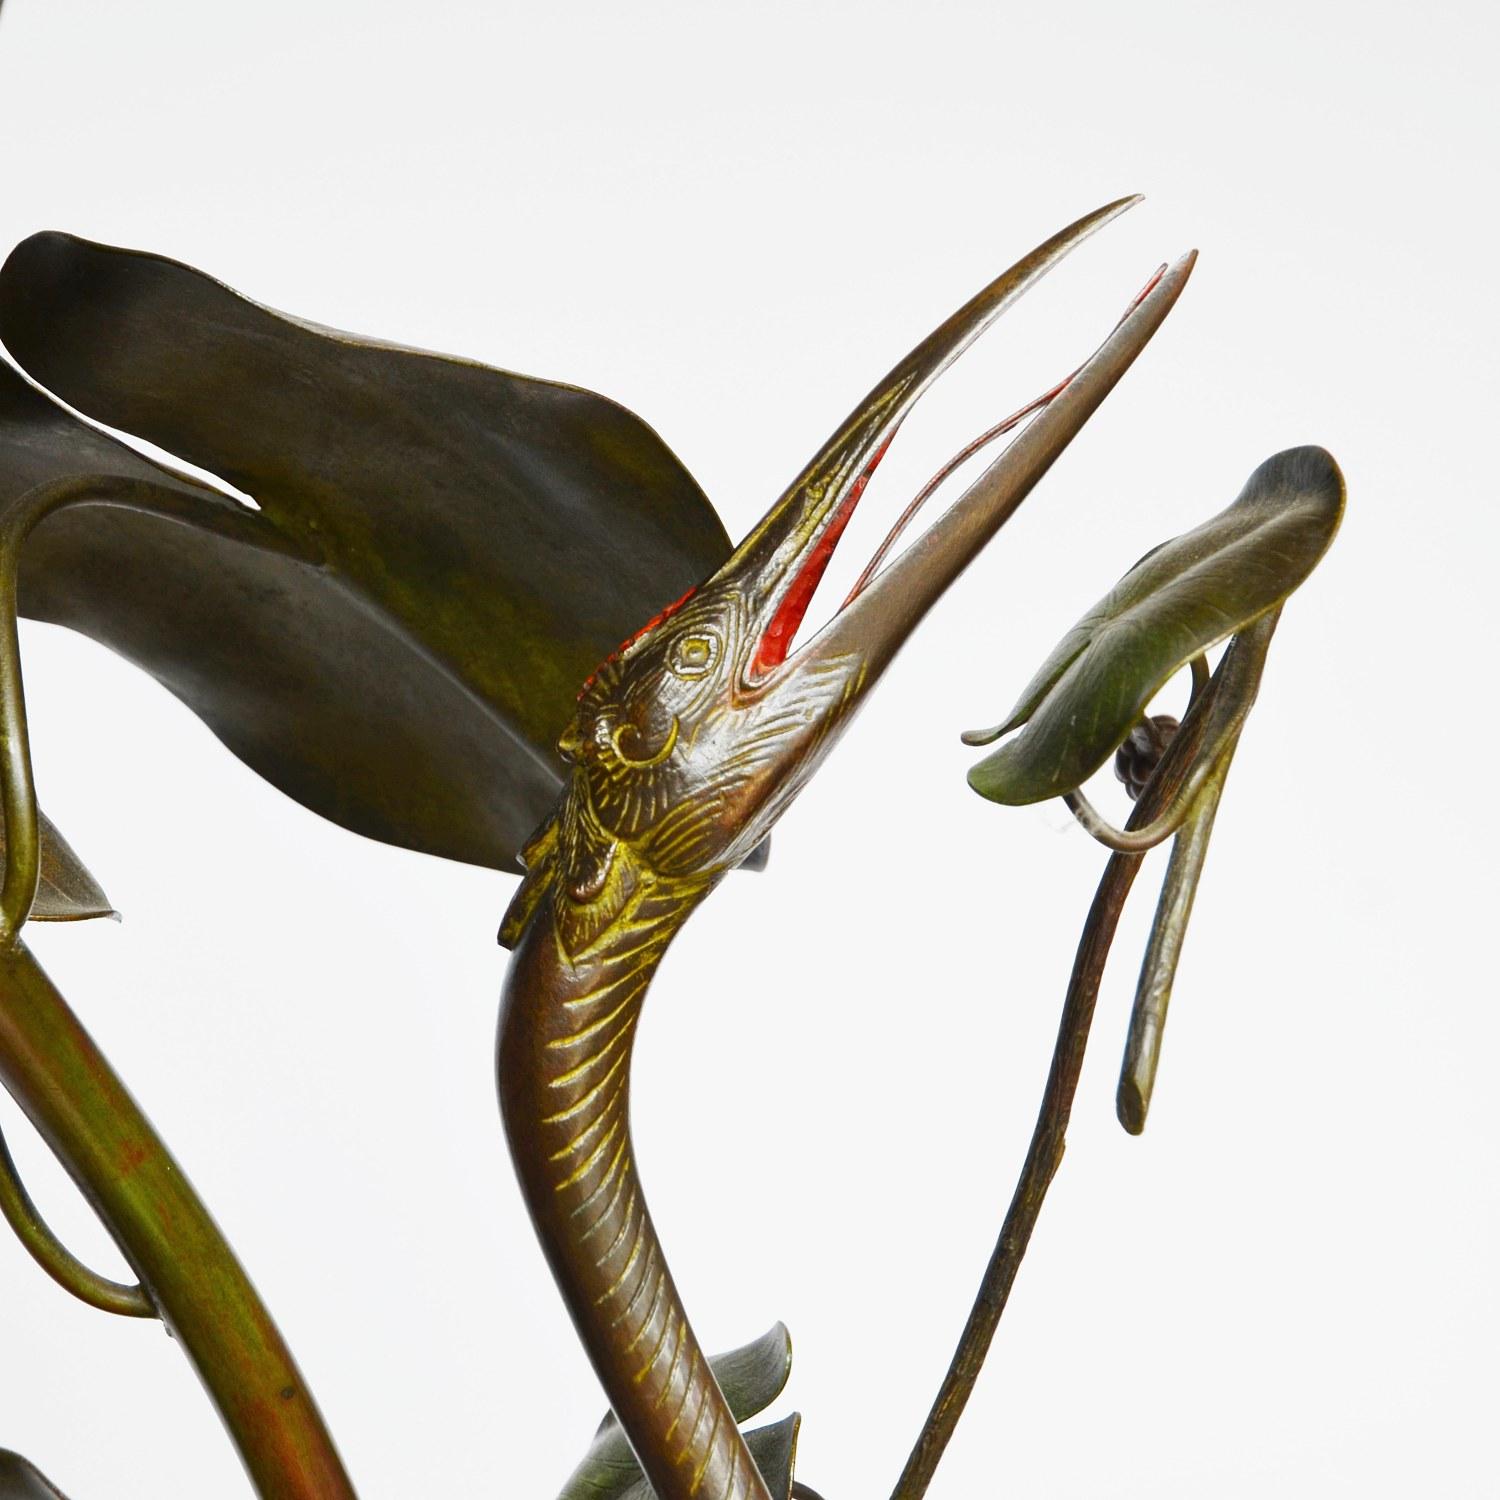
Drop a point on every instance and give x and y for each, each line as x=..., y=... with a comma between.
x=778, y=566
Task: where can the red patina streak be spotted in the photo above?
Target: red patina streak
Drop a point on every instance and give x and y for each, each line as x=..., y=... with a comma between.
x=777, y=640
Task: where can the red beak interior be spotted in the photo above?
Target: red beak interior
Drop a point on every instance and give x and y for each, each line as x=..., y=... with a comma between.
x=776, y=642
x=781, y=631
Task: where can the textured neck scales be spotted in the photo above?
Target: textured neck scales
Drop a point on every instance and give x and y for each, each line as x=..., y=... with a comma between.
x=573, y=997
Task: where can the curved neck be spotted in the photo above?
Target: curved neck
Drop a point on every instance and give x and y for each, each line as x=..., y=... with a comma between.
x=570, y=1005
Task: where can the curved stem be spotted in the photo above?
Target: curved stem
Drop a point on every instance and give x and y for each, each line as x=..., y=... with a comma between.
x=55, y=1258
x=1045, y=1153
x=1134, y=841
x=81, y=1109
x=17, y=791
x=23, y=858
x=1222, y=725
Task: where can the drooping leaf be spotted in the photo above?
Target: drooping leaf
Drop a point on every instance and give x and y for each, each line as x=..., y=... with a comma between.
x=20, y=1480
x=751, y=1378
x=443, y=551
x=1179, y=600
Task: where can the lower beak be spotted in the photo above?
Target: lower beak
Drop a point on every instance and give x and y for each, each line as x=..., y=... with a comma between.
x=778, y=566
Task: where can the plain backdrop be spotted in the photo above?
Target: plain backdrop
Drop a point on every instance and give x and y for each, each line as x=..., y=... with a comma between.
x=734, y=219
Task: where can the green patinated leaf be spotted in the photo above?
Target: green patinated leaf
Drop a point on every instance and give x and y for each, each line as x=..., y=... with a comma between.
x=1179, y=600
x=19, y=1480
x=751, y=1378
x=441, y=554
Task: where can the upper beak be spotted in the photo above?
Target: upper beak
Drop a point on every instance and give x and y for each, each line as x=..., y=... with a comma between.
x=778, y=566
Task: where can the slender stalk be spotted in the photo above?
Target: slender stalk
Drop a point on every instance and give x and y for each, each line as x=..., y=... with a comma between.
x=1221, y=728
x=1048, y=1139
x=1133, y=841
x=78, y=1104
x=17, y=792
x=1148, y=1017
x=1238, y=682
x=23, y=858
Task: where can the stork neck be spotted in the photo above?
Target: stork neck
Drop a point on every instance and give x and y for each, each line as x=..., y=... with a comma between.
x=571, y=1001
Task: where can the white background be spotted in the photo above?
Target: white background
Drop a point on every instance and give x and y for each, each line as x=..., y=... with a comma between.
x=734, y=219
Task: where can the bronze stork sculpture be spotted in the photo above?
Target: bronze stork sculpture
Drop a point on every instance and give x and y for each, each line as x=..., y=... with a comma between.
x=394, y=633
x=686, y=747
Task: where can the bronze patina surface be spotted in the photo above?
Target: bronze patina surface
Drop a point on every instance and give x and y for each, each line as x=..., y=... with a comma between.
x=394, y=630
x=442, y=550
x=685, y=748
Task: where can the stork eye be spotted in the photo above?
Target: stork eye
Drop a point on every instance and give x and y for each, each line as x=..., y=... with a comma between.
x=694, y=655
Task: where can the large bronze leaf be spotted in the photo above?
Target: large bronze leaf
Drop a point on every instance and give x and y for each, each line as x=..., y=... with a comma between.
x=1175, y=603
x=19, y=1480
x=751, y=1378
x=443, y=551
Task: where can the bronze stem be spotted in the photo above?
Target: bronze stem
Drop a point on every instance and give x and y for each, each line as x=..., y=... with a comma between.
x=83, y=1111
x=1045, y=1153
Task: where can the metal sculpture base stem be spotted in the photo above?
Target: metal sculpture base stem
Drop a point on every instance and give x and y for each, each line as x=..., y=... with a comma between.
x=82, y=1110
x=1044, y=1155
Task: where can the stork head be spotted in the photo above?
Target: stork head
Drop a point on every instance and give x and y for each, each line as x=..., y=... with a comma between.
x=690, y=741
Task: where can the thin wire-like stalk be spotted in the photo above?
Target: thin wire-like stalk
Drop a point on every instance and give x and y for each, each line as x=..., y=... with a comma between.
x=23, y=854
x=968, y=451
x=924, y=494
x=1131, y=841
x=1221, y=736
x=17, y=793
x=1047, y=1142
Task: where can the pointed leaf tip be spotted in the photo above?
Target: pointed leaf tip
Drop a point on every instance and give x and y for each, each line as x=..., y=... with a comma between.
x=984, y=736
x=66, y=891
